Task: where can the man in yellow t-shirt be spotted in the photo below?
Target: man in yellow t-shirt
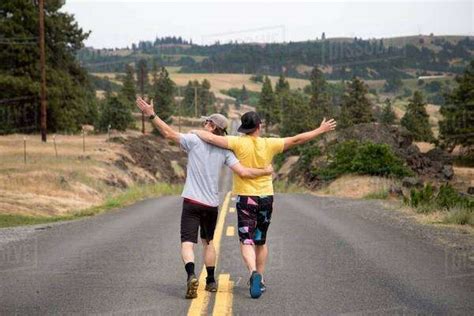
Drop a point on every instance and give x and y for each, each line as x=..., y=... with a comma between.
x=255, y=196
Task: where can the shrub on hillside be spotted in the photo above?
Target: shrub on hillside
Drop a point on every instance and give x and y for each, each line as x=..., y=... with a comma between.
x=363, y=158
x=378, y=159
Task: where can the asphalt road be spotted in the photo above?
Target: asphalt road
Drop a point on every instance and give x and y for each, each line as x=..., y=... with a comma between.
x=328, y=256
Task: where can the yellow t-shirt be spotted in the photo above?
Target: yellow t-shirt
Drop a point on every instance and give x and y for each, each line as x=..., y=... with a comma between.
x=254, y=152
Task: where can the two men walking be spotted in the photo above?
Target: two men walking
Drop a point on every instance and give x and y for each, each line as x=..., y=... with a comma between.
x=249, y=156
x=255, y=196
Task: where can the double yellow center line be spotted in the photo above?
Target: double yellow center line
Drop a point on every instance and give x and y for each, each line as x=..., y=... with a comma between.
x=223, y=301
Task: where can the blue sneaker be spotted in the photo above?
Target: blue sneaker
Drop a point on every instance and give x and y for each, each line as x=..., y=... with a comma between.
x=255, y=285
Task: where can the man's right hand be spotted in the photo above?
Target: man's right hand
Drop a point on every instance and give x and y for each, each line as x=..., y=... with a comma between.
x=269, y=169
x=146, y=108
x=327, y=126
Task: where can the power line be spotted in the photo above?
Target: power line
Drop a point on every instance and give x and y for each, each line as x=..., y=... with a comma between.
x=12, y=100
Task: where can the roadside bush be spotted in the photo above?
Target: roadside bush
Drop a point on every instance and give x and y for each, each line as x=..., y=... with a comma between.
x=449, y=198
x=446, y=198
x=422, y=200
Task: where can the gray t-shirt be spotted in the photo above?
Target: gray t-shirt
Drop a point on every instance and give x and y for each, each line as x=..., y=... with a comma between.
x=204, y=165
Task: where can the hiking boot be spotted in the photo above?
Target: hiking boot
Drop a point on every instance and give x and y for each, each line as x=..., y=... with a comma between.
x=211, y=286
x=192, y=286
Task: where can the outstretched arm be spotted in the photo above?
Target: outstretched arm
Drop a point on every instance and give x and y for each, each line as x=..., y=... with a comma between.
x=302, y=138
x=164, y=128
x=216, y=140
x=245, y=172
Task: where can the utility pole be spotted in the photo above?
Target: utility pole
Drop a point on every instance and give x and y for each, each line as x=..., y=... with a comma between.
x=142, y=91
x=195, y=102
x=43, y=73
x=179, y=109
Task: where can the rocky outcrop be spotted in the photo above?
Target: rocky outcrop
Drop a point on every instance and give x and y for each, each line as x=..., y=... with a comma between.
x=435, y=164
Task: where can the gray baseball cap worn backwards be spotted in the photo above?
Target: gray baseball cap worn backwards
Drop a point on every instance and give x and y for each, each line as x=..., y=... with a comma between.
x=218, y=119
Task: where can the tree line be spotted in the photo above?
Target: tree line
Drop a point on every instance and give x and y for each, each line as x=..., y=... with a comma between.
x=195, y=99
x=295, y=111
x=367, y=59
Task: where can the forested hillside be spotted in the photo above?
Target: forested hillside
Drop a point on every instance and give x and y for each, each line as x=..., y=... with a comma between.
x=403, y=57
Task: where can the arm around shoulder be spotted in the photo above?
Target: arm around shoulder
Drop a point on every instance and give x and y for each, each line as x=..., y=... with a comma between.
x=216, y=140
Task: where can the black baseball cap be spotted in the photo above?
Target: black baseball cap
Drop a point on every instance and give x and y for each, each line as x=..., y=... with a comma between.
x=250, y=122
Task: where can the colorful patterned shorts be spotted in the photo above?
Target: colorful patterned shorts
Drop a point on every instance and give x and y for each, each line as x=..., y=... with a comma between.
x=254, y=214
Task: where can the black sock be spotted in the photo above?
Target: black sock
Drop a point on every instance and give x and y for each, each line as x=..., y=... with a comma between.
x=189, y=268
x=210, y=274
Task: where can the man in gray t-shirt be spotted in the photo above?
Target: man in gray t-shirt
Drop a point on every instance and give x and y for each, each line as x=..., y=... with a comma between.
x=201, y=196
x=201, y=184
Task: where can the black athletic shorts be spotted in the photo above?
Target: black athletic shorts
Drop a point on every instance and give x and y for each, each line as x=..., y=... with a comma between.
x=254, y=214
x=196, y=215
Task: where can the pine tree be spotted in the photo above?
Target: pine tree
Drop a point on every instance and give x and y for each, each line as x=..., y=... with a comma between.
x=320, y=102
x=297, y=117
x=164, y=95
x=128, y=89
x=266, y=103
x=244, y=95
x=142, y=76
x=206, y=98
x=356, y=107
x=187, y=104
x=457, y=127
x=154, y=72
x=115, y=112
x=416, y=120
x=282, y=85
x=388, y=115
x=70, y=96
x=282, y=88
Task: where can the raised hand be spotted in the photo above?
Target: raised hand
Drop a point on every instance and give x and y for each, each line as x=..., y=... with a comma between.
x=146, y=108
x=327, y=126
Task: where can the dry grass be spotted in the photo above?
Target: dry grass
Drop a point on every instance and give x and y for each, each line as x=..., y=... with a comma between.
x=464, y=178
x=434, y=218
x=50, y=185
x=356, y=186
x=219, y=81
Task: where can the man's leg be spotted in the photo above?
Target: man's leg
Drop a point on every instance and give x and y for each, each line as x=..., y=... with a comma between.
x=209, y=253
x=247, y=222
x=247, y=208
x=208, y=226
x=189, y=233
x=187, y=252
x=262, y=254
x=265, y=210
x=210, y=262
x=248, y=254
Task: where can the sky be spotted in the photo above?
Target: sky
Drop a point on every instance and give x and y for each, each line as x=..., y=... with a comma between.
x=120, y=23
